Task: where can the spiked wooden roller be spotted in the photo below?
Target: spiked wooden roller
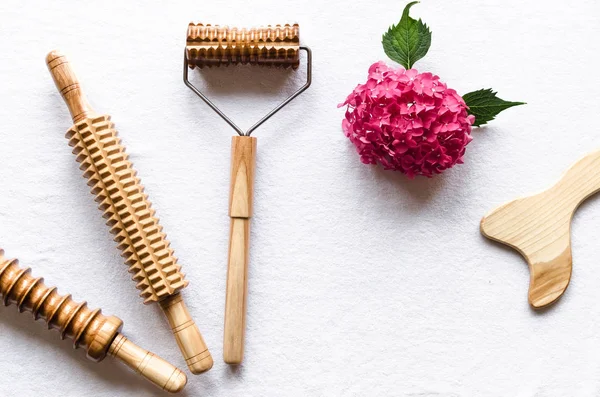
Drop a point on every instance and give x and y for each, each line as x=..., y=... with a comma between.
x=208, y=45
x=128, y=213
x=277, y=46
x=539, y=227
x=89, y=329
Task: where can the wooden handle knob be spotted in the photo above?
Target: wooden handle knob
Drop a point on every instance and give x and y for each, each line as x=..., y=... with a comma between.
x=150, y=366
x=243, y=163
x=187, y=334
x=68, y=85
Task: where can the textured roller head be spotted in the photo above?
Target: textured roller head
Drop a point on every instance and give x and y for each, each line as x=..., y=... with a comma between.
x=126, y=208
x=277, y=45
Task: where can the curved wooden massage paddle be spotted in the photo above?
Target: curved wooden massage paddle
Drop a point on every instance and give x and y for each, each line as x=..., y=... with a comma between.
x=539, y=227
x=128, y=213
x=98, y=334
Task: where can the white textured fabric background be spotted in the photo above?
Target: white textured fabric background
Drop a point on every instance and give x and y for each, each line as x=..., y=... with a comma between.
x=362, y=283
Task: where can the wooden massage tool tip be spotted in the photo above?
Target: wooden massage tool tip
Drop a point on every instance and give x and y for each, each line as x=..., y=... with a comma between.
x=128, y=212
x=539, y=227
x=89, y=329
x=275, y=46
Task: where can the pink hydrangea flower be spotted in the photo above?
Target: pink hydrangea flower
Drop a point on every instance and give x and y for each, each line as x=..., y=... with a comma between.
x=407, y=121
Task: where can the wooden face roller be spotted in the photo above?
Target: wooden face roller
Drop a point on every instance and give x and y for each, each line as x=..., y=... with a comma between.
x=128, y=213
x=89, y=329
x=539, y=227
x=277, y=46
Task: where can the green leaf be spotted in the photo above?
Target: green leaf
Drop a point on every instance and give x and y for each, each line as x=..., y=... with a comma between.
x=485, y=105
x=408, y=41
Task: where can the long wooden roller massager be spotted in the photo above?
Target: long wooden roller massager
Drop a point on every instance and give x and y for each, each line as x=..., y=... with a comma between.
x=276, y=46
x=128, y=212
x=539, y=227
x=89, y=329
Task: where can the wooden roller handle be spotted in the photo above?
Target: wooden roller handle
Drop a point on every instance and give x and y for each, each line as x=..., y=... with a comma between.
x=243, y=162
x=68, y=85
x=187, y=334
x=155, y=369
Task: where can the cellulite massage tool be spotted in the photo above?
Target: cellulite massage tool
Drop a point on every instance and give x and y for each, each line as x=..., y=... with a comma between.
x=277, y=46
x=90, y=329
x=539, y=227
x=128, y=212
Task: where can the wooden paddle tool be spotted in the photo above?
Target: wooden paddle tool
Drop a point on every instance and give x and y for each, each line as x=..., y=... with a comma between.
x=539, y=227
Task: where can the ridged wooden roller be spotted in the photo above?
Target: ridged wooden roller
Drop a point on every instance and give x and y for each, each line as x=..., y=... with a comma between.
x=126, y=208
x=128, y=213
x=277, y=45
x=89, y=329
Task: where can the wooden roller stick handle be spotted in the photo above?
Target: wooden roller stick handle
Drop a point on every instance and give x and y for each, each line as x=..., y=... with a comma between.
x=147, y=364
x=243, y=162
x=89, y=329
x=188, y=336
x=128, y=213
x=68, y=86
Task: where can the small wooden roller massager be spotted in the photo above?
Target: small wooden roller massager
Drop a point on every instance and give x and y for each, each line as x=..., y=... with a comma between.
x=128, y=212
x=89, y=329
x=276, y=46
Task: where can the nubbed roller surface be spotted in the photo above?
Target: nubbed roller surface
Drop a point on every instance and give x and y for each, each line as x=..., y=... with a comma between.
x=126, y=208
x=209, y=45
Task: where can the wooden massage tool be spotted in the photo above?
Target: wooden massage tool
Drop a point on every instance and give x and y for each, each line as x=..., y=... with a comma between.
x=89, y=329
x=539, y=227
x=276, y=46
x=128, y=212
